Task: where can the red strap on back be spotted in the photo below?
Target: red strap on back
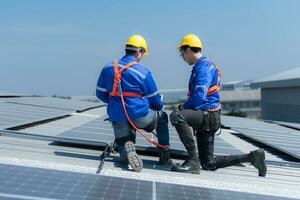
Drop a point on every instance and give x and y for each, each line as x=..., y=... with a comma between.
x=117, y=79
x=216, y=87
x=129, y=94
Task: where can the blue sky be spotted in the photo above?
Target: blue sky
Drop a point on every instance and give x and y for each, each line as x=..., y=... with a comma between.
x=59, y=47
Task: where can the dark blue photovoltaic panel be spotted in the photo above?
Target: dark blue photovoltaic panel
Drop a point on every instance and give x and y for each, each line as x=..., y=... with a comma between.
x=19, y=182
x=29, y=183
x=101, y=131
x=16, y=114
x=281, y=138
x=52, y=102
x=288, y=124
x=179, y=192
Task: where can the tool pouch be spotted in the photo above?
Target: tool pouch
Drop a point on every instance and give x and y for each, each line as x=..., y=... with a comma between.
x=206, y=121
x=215, y=120
x=211, y=121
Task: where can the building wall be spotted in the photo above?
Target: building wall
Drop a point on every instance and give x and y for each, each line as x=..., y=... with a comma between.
x=281, y=104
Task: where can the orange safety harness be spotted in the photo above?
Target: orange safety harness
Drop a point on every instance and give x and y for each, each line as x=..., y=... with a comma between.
x=216, y=87
x=117, y=91
x=213, y=89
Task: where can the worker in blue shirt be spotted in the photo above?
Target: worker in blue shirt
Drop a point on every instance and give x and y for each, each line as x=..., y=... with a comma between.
x=201, y=111
x=142, y=101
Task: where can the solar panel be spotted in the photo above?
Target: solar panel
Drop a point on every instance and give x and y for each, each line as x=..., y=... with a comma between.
x=174, y=191
x=32, y=183
x=288, y=124
x=13, y=115
x=52, y=102
x=11, y=94
x=19, y=182
x=100, y=132
x=281, y=138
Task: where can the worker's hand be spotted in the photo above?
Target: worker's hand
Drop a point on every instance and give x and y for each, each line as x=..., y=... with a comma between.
x=180, y=107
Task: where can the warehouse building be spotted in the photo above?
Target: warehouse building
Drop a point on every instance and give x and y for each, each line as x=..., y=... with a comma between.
x=280, y=96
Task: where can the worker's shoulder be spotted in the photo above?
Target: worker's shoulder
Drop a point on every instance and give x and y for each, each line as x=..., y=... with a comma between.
x=107, y=66
x=206, y=62
x=140, y=67
x=204, y=65
x=136, y=68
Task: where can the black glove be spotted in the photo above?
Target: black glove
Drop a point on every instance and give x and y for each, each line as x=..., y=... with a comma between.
x=180, y=107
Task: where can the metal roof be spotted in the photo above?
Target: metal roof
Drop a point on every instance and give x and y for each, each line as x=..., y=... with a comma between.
x=290, y=78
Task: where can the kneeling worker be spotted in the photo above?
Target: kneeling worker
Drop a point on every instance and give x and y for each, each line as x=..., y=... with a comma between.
x=141, y=99
x=201, y=111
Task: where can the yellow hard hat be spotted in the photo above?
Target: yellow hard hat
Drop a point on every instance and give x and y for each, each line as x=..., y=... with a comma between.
x=139, y=42
x=190, y=40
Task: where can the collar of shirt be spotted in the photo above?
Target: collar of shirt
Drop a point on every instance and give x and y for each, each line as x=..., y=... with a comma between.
x=198, y=62
x=128, y=58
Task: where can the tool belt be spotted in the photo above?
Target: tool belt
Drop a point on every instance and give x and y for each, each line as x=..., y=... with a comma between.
x=211, y=121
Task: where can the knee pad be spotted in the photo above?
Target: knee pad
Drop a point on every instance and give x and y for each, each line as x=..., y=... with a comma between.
x=162, y=117
x=151, y=126
x=176, y=118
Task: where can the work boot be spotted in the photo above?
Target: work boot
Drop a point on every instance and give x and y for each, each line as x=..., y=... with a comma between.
x=188, y=166
x=133, y=158
x=164, y=157
x=258, y=161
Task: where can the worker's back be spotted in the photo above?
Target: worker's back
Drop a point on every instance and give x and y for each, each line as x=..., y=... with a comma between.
x=136, y=79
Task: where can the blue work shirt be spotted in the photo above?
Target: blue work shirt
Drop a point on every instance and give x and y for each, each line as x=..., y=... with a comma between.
x=137, y=79
x=204, y=75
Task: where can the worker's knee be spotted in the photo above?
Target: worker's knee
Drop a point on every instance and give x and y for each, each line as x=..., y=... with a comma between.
x=162, y=117
x=176, y=118
x=123, y=132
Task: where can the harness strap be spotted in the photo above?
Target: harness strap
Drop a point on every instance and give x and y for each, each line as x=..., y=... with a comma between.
x=152, y=141
x=117, y=79
x=117, y=91
x=216, y=87
x=129, y=94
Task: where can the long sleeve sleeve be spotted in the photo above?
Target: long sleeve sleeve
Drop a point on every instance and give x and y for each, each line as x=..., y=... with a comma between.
x=200, y=85
x=101, y=91
x=152, y=94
